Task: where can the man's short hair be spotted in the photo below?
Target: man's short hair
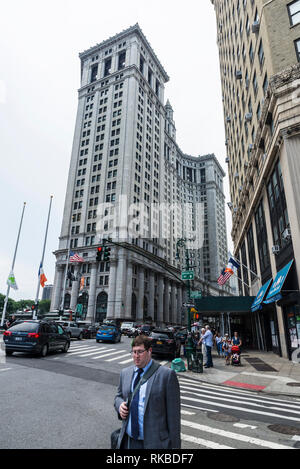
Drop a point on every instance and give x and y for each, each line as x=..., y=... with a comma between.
x=142, y=340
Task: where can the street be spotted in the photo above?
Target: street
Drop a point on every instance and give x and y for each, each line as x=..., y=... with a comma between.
x=66, y=401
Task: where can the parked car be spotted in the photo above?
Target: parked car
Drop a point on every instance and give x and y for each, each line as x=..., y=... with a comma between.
x=126, y=327
x=133, y=332
x=108, y=332
x=36, y=336
x=145, y=329
x=182, y=335
x=165, y=342
x=89, y=331
x=72, y=328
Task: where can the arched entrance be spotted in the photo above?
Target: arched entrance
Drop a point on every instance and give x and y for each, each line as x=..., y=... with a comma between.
x=101, y=307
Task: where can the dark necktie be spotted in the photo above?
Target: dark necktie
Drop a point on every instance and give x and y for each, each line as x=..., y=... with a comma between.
x=134, y=407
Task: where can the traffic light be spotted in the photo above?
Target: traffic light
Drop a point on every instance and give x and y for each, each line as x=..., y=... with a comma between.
x=32, y=308
x=106, y=257
x=99, y=253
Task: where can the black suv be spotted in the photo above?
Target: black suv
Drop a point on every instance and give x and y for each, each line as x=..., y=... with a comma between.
x=39, y=337
x=165, y=342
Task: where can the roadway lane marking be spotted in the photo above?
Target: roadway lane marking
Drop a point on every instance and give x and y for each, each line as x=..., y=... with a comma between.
x=234, y=436
x=96, y=352
x=117, y=358
x=242, y=409
x=5, y=369
x=199, y=408
x=244, y=425
x=244, y=395
x=246, y=401
x=126, y=361
x=206, y=443
x=108, y=354
x=186, y=412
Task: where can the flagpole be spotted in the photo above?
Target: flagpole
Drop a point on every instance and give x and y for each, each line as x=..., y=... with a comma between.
x=42, y=261
x=13, y=266
x=248, y=268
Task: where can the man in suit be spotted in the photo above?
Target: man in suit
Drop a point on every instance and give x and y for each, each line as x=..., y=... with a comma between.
x=153, y=418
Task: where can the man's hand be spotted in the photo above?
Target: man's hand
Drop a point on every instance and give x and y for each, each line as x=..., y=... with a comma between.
x=123, y=411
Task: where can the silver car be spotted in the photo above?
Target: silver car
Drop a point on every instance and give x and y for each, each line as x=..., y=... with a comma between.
x=72, y=329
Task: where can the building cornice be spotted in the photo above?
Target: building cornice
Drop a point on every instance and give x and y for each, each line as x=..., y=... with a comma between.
x=132, y=29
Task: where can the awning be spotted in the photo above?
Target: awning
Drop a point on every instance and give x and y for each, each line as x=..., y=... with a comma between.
x=274, y=292
x=256, y=305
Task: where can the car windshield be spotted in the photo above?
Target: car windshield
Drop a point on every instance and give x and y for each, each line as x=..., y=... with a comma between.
x=146, y=328
x=107, y=328
x=161, y=335
x=25, y=327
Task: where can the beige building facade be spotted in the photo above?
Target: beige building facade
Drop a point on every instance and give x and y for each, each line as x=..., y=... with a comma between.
x=259, y=44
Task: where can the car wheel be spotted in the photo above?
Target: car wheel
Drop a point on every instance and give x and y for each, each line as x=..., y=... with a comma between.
x=66, y=347
x=8, y=353
x=44, y=351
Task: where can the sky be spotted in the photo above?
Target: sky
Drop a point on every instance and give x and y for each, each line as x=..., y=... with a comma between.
x=39, y=79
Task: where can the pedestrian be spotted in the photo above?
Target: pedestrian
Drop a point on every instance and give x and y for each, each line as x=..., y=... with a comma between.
x=226, y=345
x=218, y=340
x=236, y=340
x=203, y=347
x=151, y=414
x=207, y=339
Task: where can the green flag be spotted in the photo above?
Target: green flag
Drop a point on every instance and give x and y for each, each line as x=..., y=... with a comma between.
x=11, y=281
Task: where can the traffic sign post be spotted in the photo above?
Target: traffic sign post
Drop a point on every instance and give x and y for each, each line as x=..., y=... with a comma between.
x=187, y=275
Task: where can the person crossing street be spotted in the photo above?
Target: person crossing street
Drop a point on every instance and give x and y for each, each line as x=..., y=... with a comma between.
x=148, y=402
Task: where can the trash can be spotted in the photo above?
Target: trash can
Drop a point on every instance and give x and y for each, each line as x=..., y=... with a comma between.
x=195, y=363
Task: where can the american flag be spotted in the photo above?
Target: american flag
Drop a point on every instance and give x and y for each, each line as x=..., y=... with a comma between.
x=74, y=257
x=224, y=277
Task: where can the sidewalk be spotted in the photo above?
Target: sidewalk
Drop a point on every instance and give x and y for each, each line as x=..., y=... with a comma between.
x=260, y=371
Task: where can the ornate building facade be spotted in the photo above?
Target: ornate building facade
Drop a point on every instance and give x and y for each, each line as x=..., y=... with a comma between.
x=130, y=183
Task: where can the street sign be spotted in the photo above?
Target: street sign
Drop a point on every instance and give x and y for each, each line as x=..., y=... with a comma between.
x=187, y=275
x=189, y=305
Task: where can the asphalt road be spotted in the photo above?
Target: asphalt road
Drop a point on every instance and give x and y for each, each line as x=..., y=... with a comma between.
x=66, y=401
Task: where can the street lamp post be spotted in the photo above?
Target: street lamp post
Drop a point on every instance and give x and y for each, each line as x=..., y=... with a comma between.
x=189, y=347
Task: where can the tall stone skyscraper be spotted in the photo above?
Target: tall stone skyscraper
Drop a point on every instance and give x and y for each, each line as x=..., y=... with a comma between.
x=130, y=183
x=259, y=50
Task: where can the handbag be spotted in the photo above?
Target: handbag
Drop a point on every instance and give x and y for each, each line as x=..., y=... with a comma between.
x=114, y=437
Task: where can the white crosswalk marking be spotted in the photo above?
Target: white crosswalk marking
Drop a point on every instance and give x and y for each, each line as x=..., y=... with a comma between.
x=234, y=436
x=205, y=443
x=117, y=358
x=108, y=354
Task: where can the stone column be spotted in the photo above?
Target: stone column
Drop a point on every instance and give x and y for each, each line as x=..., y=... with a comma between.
x=151, y=294
x=173, y=304
x=92, y=293
x=128, y=292
x=58, y=284
x=141, y=289
x=160, y=302
x=179, y=304
x=120, y=285
x=75, y=288
x=111, y=289
x=166, y=300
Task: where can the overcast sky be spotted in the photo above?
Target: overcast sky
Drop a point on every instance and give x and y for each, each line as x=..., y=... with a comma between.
x=39, y=79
